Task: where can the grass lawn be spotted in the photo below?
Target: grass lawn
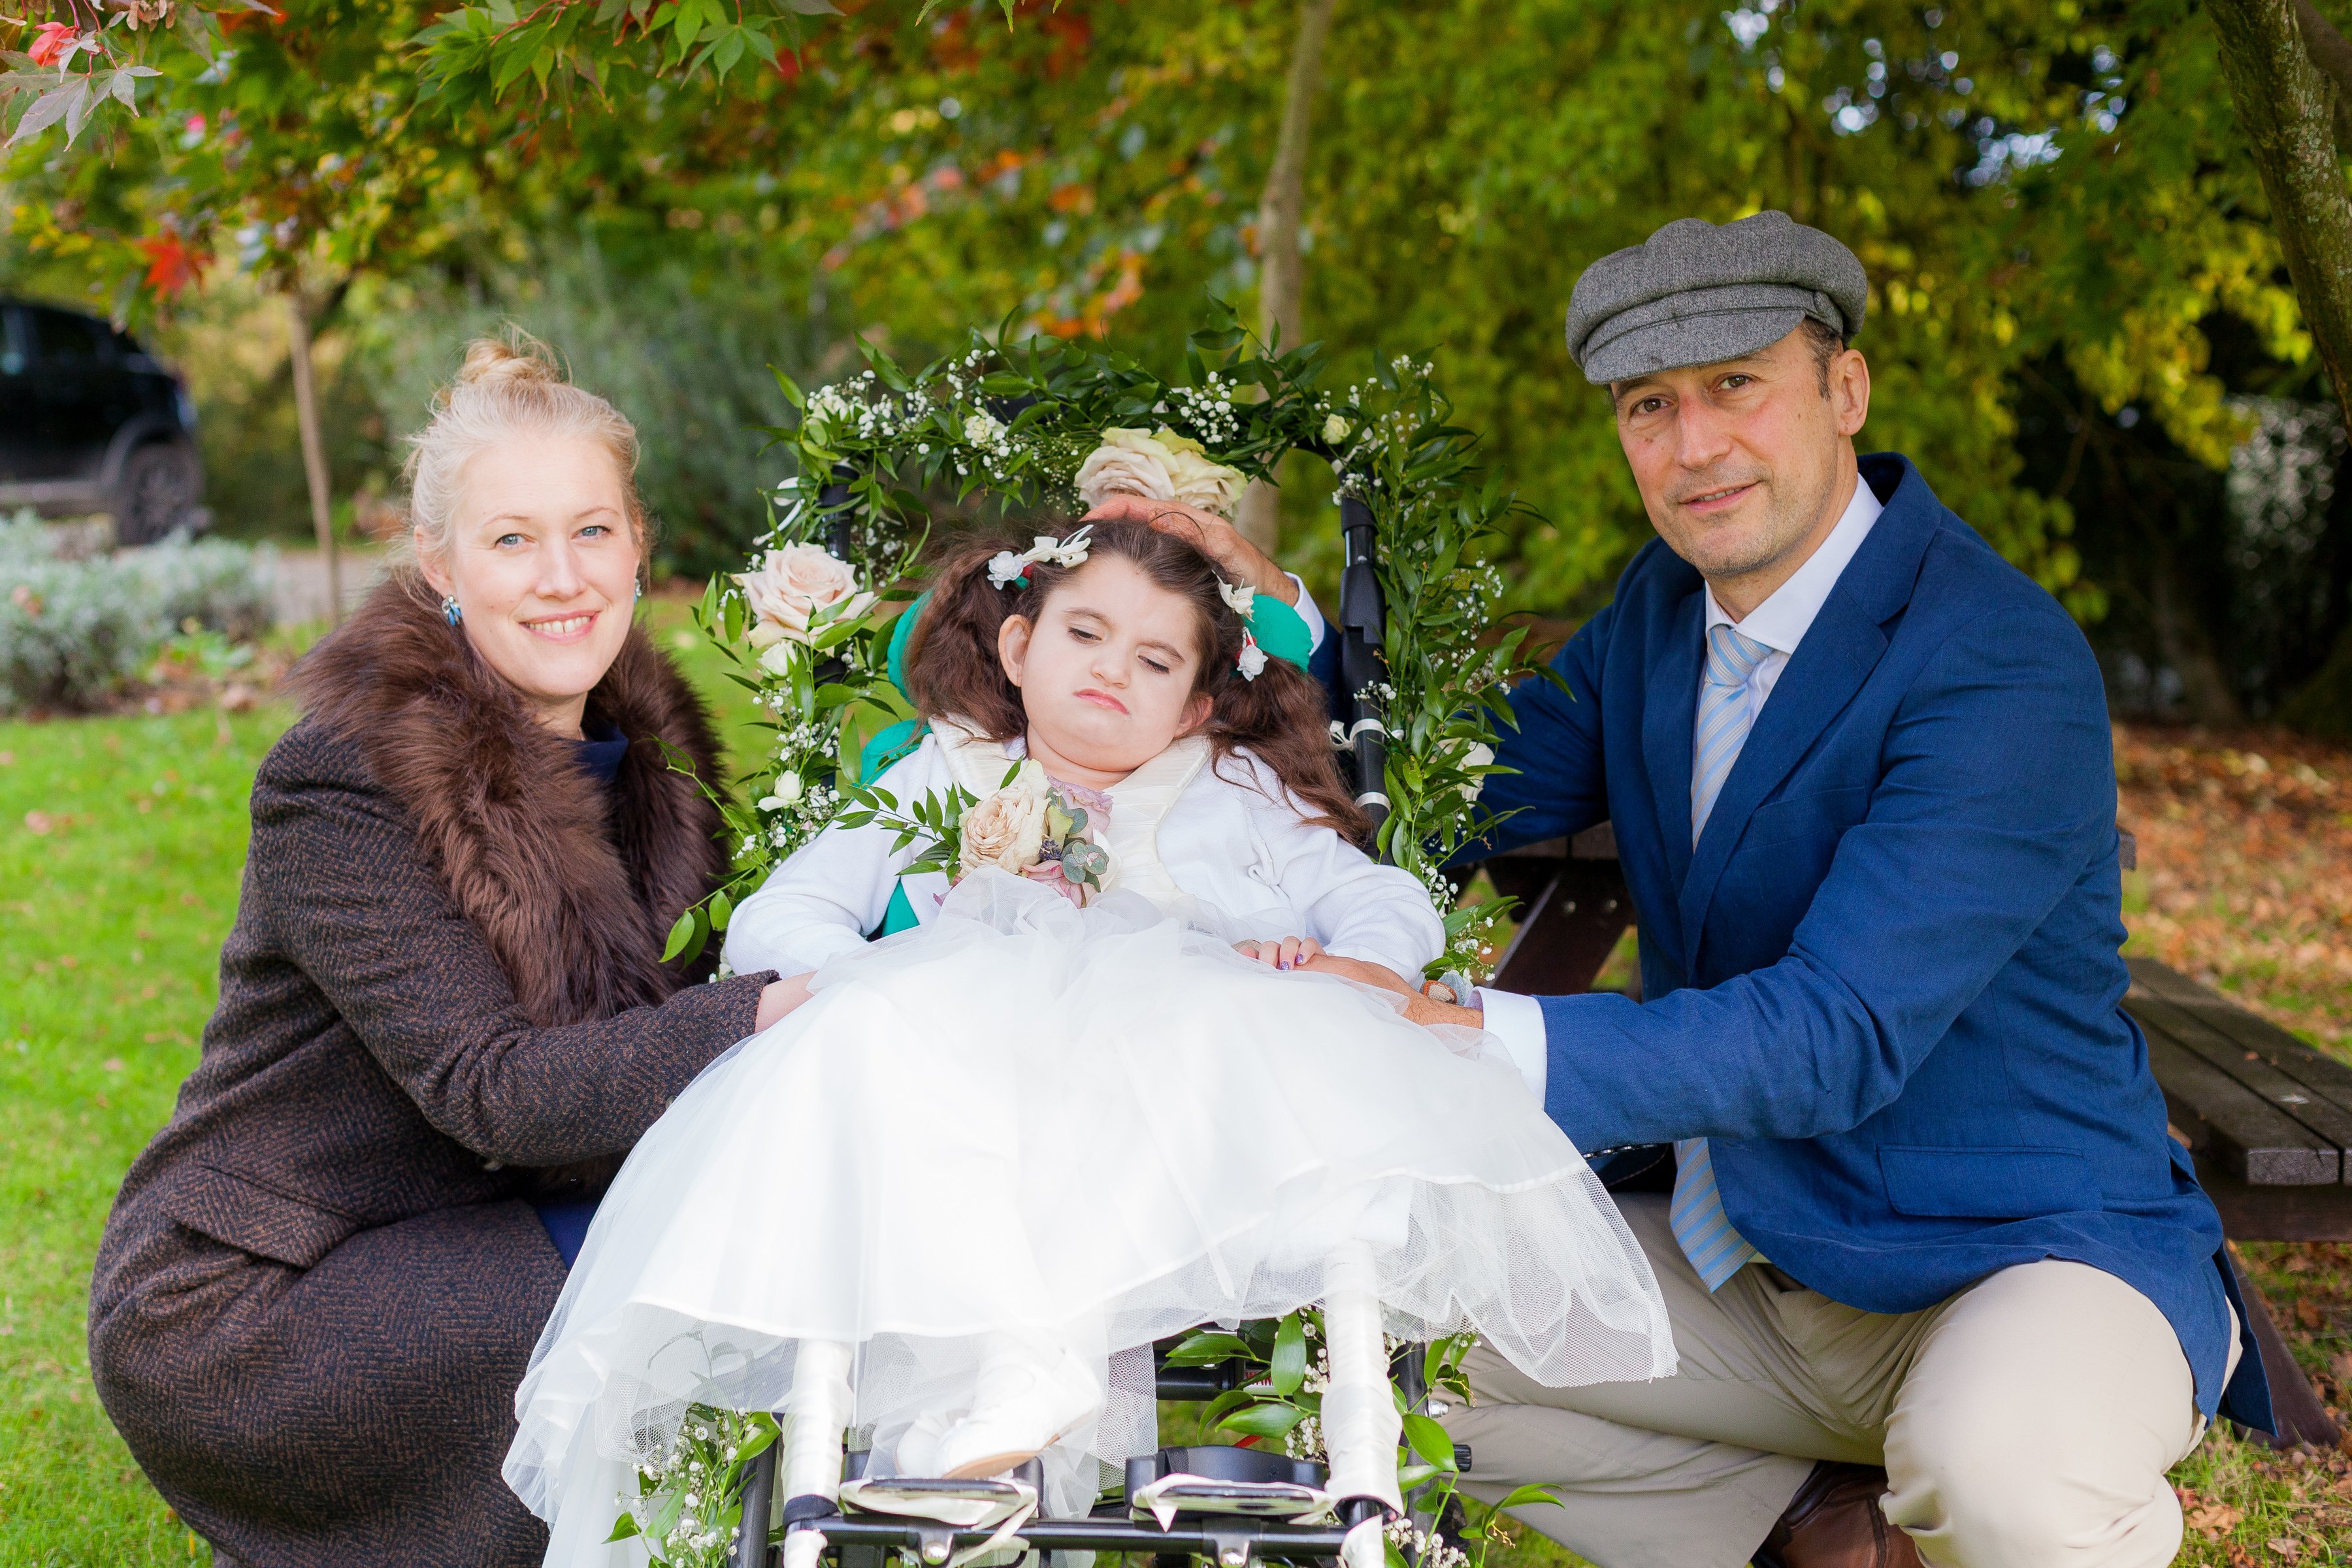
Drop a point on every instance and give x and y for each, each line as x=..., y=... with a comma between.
x=121, y=841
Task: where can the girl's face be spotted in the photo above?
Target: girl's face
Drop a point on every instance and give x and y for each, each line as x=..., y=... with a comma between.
x=544, y=566
x=1108, y=670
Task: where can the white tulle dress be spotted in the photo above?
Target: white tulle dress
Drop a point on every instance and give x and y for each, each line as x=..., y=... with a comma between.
x=1094, y=1126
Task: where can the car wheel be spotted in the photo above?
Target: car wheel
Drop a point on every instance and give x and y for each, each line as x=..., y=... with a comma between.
x=159, y=488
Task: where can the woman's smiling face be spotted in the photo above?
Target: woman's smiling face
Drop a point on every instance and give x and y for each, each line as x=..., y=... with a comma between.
x=543, y=564
x=1108, y=673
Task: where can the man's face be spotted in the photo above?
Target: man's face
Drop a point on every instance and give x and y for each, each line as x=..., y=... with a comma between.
x=1740, y=464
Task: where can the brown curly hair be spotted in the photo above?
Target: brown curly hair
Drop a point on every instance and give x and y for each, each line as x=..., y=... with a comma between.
x=1281, y=718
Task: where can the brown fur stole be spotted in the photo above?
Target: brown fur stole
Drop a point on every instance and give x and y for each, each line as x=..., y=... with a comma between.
x=573, y=884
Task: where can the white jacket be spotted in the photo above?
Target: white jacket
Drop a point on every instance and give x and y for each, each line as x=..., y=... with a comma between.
x=1226, y=835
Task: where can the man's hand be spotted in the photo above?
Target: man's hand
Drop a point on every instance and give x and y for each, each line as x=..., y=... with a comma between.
x=1418, y=1008
x=1242, y=563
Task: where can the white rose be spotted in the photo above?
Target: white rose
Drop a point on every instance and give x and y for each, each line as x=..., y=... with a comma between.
x=1252, y=663
x=791, y=584
x=1211, y=487
x=787, y=793
x=1006, y=830
x=1477, y=756
x=777, y=657
x=1128, y=462
x=1336, y=430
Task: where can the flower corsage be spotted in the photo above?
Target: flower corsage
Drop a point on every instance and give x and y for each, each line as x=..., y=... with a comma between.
x=1028, y=827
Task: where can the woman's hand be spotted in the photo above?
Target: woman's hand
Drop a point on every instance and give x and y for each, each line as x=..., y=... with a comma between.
x=1290, y=952
x=779, y=997
x=1240, y=562
x=1418, y=1007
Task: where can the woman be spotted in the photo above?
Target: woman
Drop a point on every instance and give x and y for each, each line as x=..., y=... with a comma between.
x=444, y=1016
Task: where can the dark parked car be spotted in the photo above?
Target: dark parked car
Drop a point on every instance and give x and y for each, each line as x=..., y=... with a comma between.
x=91, y=423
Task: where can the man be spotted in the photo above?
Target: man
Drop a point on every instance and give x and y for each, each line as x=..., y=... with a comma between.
x=1925, y=1212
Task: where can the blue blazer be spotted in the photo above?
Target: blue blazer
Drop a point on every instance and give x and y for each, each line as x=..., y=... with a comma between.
x=1885, y=983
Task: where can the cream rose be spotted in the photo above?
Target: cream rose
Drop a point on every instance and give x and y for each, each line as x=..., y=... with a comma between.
x=1157, y=466
x=1006, y=829
x=1128, y=463
x=790, y=586
x=1211, y=487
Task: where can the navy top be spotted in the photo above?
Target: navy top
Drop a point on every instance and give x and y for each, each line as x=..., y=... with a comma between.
x=600, y=750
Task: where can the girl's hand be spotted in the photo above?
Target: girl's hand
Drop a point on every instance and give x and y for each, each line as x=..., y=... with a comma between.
x=1290, y=952
x=779, y=997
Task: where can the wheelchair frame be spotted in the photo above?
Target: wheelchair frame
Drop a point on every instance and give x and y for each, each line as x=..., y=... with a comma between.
x=1227, y=1541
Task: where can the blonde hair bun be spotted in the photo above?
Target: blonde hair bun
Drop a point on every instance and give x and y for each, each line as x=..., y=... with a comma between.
x=518, y=356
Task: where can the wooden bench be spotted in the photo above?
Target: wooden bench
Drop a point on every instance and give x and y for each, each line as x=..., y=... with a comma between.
x=2267, y=1119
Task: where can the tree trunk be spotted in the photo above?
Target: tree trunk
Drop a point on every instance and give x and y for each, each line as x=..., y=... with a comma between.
x=1279, y=212
x=2288, y=108
x=314, y=449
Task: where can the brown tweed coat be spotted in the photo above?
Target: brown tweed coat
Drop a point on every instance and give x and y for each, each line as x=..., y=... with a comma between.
x=320, y=1284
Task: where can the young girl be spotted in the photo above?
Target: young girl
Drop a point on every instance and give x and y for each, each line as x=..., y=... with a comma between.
x=955, y=1195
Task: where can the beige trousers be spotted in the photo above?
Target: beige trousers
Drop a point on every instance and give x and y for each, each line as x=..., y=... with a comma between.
x=2026, y=1423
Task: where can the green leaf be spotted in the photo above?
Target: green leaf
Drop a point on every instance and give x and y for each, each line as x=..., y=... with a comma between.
x=1429, y=1440
x=1531, y=1494
x=622, y=1528
x=1266, y=1420
x=721, y=909
x=1208, y=1350
x=1288, y=1367
x=681, y=934
x=1413, y=1475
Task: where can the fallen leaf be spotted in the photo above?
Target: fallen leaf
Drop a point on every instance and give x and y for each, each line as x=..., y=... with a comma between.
x=39, y=821
x=2214, y=1520
x=113, y=1064
x=2284, y=1549
x=2306, y=1312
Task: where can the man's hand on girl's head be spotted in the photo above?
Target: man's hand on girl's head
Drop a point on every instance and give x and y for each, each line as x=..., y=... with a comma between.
x=1242, y=563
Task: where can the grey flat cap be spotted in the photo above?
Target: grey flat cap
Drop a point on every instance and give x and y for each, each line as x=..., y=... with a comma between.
x=1693, y=293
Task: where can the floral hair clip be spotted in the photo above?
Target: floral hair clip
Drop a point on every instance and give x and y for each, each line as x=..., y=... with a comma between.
x=1006, y=568
x=1239, y=599
x=1252, y=662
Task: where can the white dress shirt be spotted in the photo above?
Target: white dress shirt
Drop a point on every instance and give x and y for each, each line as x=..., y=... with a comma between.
x=1312, y=613
x=1779, y=623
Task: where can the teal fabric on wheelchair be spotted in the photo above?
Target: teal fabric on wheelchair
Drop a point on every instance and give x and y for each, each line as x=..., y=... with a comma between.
x=901, y=914
x=886, y=746
x=1280, y=630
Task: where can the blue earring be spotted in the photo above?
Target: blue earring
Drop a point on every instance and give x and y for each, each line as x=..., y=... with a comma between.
x=449, y=610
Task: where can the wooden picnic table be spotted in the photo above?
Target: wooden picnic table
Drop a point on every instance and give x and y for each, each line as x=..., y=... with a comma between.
x=2266, y=1118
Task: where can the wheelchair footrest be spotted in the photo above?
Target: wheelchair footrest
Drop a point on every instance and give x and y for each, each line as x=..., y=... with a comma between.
x=1223, y=1479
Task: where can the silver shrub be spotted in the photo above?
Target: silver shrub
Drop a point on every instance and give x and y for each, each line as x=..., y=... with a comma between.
x=73, y=632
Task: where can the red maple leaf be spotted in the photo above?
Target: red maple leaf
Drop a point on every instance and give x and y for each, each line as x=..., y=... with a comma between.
x=170, y=266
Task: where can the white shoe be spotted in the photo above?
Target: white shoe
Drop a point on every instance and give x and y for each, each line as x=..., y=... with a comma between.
x=1023, y=1404
x=917, y=1452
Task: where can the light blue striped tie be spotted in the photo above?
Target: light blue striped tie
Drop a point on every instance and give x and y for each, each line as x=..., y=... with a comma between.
x=1701, y=1228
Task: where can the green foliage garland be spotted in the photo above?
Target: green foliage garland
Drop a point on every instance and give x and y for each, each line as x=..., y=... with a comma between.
x=1010, y=425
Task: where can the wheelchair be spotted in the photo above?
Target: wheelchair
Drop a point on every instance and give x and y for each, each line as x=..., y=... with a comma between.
x=1226, y=1505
